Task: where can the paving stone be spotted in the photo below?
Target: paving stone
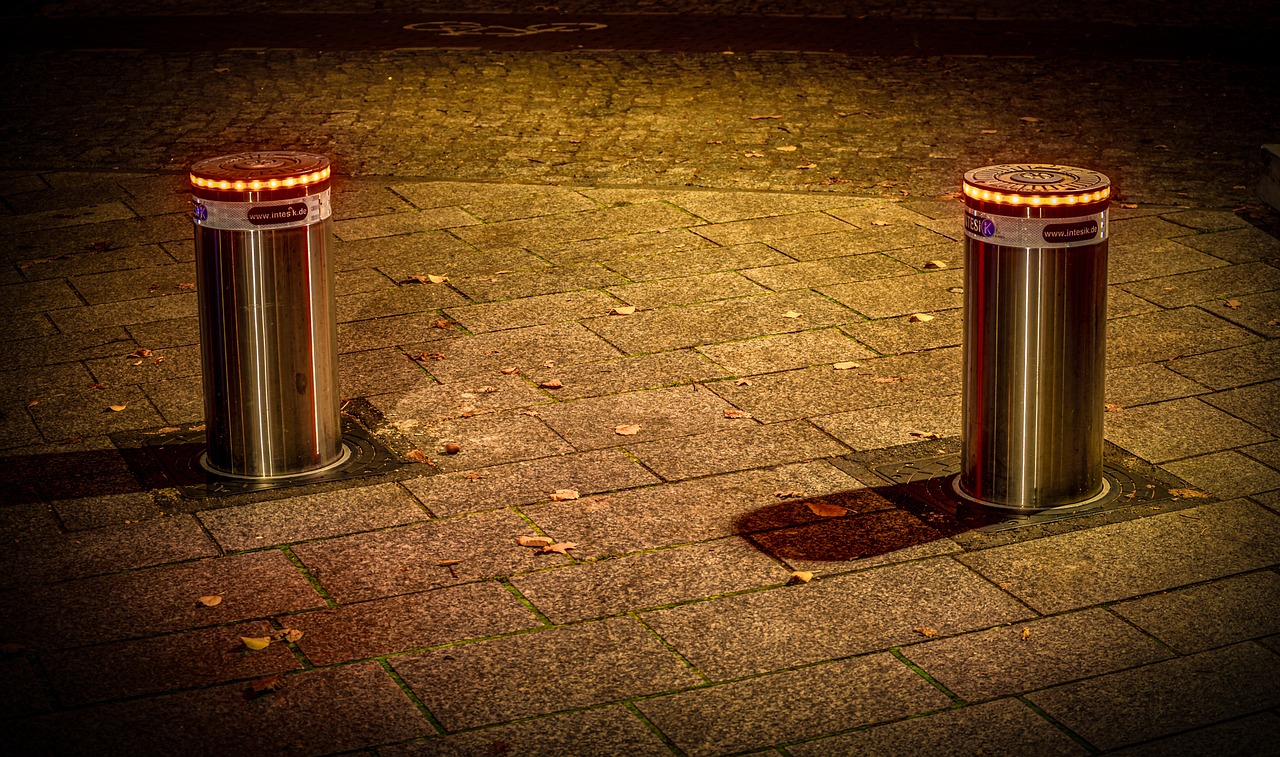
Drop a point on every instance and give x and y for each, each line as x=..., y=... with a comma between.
x=771, y=228
x=1255, y=312
x=671, y=244
x=121, y=369
x=1259, y=404
x=553, y=280
x=1167, y=334
x=407, y=298
x=494, y=202
x=898, y=336
x=606, y=730
x=900, y=295
x=720, y=207
x=124, y=313
x=1131, y=706
x=397, y=624
x=436, y=402
x=950, y=252
x=1145, y=229
x=311, y=516
x=315, y=711
x=67, y=469
x=682, y=512
x=1206, y=220
x=1214, y=614
x=106, y=510
x=529, y=481
x=88, y=412
x=524, y=675
x=835, y=617
x=749, y=445
x=532, y=311
x=684, y=291
x=693, y=260
x=660, y=413
x=1178, y=428
x=785, y=351
x=822, y=390
x=430, y=253
x=406, y=559
x=128, y=232
x=361, y=374
x=413, y=328
x=827, y=545
x=1147, y=383
x=489, y=439
x=1267, y=452
x=179, y=401
x=693, y=325
x=356, y=198
x=795, y=704
x=1226, y=474
x=878, y=213
x=16, y=426
x=360, y=280
x=547, y=231
x=561, y=344
x=828, y=271
x=1123, y=560
x=64, y=348
x=1229, y=368
x=1032, y=655
x=38, y=296
x=1121, y=304
x=892, y=425
x=21, y=693
x=1005, y=727
x=1238, y=738
x=157, y=600
x=1147, y=260
x=1218, y=283
x=155, y=281
x=53, y=219
x=90, y=261
x=650, y=579
x=628, y=374
x=401, y=223
x=44, y=382
x=25, y=326
x=1237, y=245
x=177, y=332
x=89, y=553
x=838, y=243
x=612, y=196
x=162, y=663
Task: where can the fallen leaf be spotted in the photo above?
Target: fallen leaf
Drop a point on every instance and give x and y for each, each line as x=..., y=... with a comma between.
x=786, y=148
x=753, y=155
x=920, y=318
x=266, y=685
x=447, y=563
x=559, y=548
x=488, y=389
x=1112, y=407
x=443, y=324
x=742, y=382
x=1233, y=304
x=933, y=265
x=159, y=360
x=535, y=541
x=1129, y=205
x=1029, y=120
x=1026, y=634
x=990, y=131
x=418, y=456
x=185, y=285
x=630, y=429
x=881, y=223
x=731, y=413
x=167, y=430
x=552, y=384
x=806, y=166
x=791, y=314
x=116, y=408
x=510, y=369
x=33, y=403
x=472, y=475
x=467, y=411
x=411, y=279
x=1188, y=494
x=888, y=380
x=197, y=427
x=290, y=635
x=925, y=434
x=845, y=366
x=564, y=495
x=801, y=576
x=826, y=510
x=762, y=118
x=256, y=643
x=452, y=448
x=623, y=310
x=926, y=631
x=788, y=494
x=140, y=352
x=211, y=600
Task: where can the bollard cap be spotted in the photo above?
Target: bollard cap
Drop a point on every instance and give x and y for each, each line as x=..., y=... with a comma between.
x=1037, y=185
x=260, y=172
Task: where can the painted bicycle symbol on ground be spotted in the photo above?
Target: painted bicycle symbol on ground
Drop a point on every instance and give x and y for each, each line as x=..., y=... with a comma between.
x=472, y=28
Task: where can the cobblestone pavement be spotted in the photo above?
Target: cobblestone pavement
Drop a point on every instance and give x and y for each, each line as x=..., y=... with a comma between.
x=674, y=626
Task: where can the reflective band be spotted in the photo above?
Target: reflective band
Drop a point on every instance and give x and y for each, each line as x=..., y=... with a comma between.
x=261, y=216
x=1035, y=232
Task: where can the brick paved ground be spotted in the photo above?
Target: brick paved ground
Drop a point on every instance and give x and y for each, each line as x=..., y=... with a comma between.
x=672, y=627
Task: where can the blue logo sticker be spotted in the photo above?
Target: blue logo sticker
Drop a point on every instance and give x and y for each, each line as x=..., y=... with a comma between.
x=979, y=225
x=200, y=213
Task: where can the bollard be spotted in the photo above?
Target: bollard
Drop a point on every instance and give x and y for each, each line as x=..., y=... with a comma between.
x=1035, y=292
x=268, y=335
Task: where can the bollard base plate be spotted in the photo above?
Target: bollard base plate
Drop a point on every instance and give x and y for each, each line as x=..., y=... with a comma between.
x=932, y=482
x=179, y=455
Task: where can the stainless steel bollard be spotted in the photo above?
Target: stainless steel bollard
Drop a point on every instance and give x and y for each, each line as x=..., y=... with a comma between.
x=1034, y=336
x=268, y=335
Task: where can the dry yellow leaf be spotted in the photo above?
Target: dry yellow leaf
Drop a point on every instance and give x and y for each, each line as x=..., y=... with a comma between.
x=920, y=318
x=827, y=510
x=1026, y=634
x=881, y=223
x=534, y=541
x=116, y=408
x=418, y=456
x=266, y=685
x=1188, y=494
x=437, y=279
x=845, y=366
x=791, y=314
x=1112, y=407
x=624, y=310
x=211, y=600
x=256, y=643
x=559, y=548
x=1233, y=304
x=510, y=370
x=630, y=429
x=731, y=413
x=926, y=631
x=935, y=264
x=802, y=576
x=786, y=148
x=552, y=384
x=564, y=495
x=806, y=166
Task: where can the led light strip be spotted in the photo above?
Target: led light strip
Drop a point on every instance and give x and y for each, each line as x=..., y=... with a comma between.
x=987, y=195
x=257, y=184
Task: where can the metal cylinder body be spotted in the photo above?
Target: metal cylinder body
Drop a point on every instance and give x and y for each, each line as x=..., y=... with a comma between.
x=268, y=334
x=1034, y=336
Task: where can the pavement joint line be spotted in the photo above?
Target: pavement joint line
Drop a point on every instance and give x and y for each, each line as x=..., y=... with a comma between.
x=1081, y=740
x=408, y=692
x=956, y=699
x=513, y=591
x=311, y=579
x=670, y=649
x=655, y=730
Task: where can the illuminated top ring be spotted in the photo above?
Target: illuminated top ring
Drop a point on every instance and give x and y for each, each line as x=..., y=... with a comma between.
x=258, y=171
x=1036, y=184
